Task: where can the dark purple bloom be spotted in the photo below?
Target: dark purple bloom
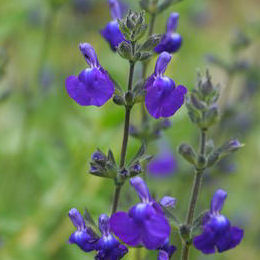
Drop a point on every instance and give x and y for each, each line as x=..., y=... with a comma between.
x=162, y=98
x=167, y=250
x=163, y=164
x=218, y=234
x=83, y=236
x=112, y=32
x=93, y=85
x=144, y=224
x=108, y=246
x=171, y=41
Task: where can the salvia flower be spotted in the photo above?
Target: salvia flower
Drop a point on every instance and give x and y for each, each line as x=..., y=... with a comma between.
x=218, y=234
x=93, y=85
x=163, y=164
x=166, y=251
x=83, y=237
x=171, y=41
x=162, y=98
x=144, y=224
x=111, y=32
x=108, y=246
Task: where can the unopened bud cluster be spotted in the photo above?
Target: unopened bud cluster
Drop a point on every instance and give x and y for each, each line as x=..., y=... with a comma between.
x=202, y=103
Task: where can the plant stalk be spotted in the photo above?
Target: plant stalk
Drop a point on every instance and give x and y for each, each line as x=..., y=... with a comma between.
x=194, y=195
x=125, y=140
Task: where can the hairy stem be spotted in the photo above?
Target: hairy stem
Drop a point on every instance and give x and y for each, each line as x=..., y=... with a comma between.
x=194, y=195
x=125, y=140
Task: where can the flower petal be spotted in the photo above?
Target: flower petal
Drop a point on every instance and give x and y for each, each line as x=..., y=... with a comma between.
x=97, y=85
x=156, y=231
x=205, y=242
x=115, y=9
x=89, y=53
x=162, y=255
x=77, y=219
x=217, y=201
x=77, y=91
x=173, y=102
x=162, y=63
x=172, y=22
x=124, y=227
x=141, y=188
x=112, y=34
x=230, y=240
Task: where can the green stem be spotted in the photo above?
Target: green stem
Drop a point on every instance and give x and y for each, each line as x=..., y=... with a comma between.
x=125, y=140
x=194, y=195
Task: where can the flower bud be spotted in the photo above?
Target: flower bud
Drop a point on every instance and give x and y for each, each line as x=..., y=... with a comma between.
x=168, y=202
x=210, y=117
x=125, y=51
x=188, y=153
x=151, y=43
x=231, y=146
x=135, y=169
x=99, y=157
x=119, y=100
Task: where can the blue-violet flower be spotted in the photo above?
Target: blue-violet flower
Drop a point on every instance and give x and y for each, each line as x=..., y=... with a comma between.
x=112, y=32
x=108, y=246
x=93, y=85
x=163, y=164
x=162, y=98
x=218, y=234
x=171, y=41
x=84, y=237
x=144, y=224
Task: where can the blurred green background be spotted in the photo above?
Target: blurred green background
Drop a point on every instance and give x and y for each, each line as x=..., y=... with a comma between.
x=46, y=139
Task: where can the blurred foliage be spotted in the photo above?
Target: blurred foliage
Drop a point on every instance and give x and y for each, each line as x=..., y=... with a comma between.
x=46, y=139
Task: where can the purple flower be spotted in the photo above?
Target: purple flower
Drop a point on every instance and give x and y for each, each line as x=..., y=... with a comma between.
x=162, y=98
x=112, y=32
x=218, y=234
x=144, y=224
x=166, y=251
x=108, y=246
x=83, y=236
x=93, y=85
x=163, y=164
x=171, y=41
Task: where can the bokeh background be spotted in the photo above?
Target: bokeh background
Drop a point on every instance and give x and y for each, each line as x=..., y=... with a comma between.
x=46, y=139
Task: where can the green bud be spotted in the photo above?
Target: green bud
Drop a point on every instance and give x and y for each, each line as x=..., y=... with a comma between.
x=188, y=153
x=151, y=43
x=198, y=104
x=119, y=100
x=143, y=56
x=210, y=117
x=194, y=114
x=213, y=159
x=125, y=50
x=230, y=146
